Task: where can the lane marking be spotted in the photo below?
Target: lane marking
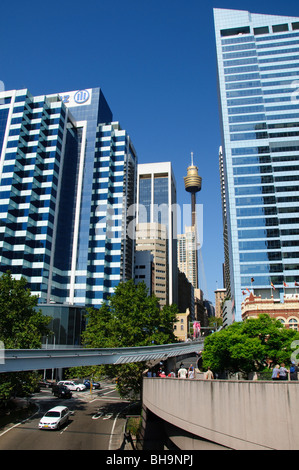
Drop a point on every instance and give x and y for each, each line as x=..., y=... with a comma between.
x=21, y=422
x=112, y=431
x=64, y=429
x=104, y=394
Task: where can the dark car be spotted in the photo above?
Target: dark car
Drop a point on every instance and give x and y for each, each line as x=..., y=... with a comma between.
x=43, y=383
x=61, y=391
x=95, y=385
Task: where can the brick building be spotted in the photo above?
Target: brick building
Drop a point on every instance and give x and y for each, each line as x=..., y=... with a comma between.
x=284, y=309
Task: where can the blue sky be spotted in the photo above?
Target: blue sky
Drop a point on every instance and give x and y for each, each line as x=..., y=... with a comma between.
x=156, y=64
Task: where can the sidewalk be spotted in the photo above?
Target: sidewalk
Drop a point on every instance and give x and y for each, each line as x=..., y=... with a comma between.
x=23, y=410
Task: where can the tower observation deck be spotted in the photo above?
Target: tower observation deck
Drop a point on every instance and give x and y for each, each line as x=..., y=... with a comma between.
x=193, y=186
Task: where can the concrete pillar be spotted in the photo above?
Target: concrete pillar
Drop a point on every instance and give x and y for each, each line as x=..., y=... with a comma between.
x=170, y=364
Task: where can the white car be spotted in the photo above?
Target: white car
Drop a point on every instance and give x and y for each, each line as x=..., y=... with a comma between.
x=55, y=418
x=72, y=385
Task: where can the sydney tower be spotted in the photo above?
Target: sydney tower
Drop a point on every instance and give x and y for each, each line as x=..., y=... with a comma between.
x=192, y=185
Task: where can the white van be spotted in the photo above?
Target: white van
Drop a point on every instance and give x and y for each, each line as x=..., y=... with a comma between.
x=55, y=418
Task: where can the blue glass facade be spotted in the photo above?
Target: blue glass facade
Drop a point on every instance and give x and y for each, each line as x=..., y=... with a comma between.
x=51, y=169
x=145, y=199
x=258, y=73
x=161, y=200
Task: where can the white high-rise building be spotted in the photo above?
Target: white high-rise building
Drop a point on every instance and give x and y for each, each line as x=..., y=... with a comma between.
x=66, y=183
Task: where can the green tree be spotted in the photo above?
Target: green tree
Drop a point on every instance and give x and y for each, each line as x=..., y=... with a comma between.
x=130, y=318
x=215, y=322
x=22, y=326
x=249, y=346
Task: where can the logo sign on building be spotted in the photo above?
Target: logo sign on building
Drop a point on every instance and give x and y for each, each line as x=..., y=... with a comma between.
x=76, y=98
x=81, y=96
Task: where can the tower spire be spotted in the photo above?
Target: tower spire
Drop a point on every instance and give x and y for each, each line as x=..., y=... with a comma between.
x=193, y=186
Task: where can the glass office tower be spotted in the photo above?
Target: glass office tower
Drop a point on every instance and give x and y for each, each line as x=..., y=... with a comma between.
x=157, y=225
x=258, y=73
x=60, y=165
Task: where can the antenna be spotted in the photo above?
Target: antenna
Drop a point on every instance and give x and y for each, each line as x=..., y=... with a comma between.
x=191, y=158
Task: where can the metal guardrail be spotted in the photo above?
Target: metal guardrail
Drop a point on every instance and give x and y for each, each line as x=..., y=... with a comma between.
x=14, y=360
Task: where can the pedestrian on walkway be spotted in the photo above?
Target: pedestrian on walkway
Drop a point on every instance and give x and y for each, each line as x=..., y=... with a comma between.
x=182, y=373
x=171, y=373
x=275, y=373
x=294, y=371
x=283, y=372
x=191, y=372
x=209, y=374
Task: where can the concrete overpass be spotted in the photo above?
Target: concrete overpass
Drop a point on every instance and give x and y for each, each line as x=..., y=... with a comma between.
x=222, y=414
x=13, y=360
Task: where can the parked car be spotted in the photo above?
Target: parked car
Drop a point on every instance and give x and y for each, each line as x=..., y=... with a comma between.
x=95, y=385
x=43, y=383
x=72, y=385
x=55, y=418
x=61, y=391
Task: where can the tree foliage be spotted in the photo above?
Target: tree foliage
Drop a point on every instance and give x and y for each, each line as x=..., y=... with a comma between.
x=249, y=346
x=215, y=322
x=130, y=318
x=22, y=326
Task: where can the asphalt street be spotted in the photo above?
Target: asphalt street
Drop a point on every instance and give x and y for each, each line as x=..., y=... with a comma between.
x=97, y=423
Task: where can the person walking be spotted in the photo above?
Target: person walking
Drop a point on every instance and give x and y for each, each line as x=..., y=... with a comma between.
x=209, y=374
x=191, y=372
x=275, y=373
x=283, y=372
x=171, y=373
x=294, y=371
x=182, y=373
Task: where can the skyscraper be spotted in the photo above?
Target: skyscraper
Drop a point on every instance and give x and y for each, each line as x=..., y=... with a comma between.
x=67, y=174
x=156, y=206
x=187, y=255
x=258, y=71
x=151, y=238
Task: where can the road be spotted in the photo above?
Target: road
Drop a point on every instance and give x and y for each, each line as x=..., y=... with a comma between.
x=97, y=423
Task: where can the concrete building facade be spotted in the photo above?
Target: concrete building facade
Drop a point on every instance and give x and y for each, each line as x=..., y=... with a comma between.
x=156, y=206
